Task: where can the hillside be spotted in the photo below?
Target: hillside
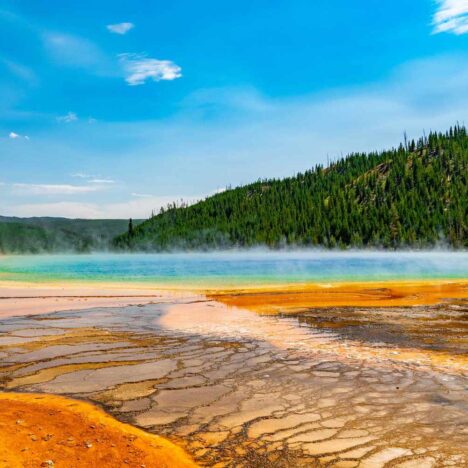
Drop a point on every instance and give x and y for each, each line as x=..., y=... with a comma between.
x=413, y=196
x=43, y=235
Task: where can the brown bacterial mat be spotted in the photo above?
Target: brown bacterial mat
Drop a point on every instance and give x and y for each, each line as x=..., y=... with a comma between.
x=328, y=387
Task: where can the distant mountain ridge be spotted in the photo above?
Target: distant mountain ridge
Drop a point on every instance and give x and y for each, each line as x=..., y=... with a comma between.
x=50, y=234
x=411, y=196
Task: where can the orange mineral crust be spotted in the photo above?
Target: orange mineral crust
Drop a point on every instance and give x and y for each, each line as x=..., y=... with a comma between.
x=273, y=299
x=52, y=431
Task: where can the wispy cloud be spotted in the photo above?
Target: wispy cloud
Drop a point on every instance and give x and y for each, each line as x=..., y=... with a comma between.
x=141, y=195
x=19, y=70
x=15, y=136
x=53, y=189
x=82, y=175
x=93, y=179
x=69, y=117
x=451, y=16
x=77, y=52
x=66, y=209
x=139, y=68
x=120, y=28
x=135, y=208
x=102, y=181
x=241, y=142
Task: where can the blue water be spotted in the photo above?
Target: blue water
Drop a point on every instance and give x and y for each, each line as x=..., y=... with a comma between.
x=259, y=267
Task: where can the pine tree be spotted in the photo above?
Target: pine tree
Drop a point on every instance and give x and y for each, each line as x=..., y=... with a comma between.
x=407, y=196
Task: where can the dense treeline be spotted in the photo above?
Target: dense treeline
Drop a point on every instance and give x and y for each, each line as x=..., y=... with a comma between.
x=47, y=235
x=414, y=195
x=20, y=238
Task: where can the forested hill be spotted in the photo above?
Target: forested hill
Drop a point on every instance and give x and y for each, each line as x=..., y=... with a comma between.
x=414, y=195
x=48, y=234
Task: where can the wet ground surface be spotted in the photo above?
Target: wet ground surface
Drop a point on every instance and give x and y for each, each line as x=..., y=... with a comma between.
x=245, y=390
x=437, y=328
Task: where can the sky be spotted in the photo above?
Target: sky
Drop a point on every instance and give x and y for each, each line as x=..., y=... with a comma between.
x=112, y=109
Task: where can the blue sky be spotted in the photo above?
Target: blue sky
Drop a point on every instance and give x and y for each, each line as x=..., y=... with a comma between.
x=112, y=109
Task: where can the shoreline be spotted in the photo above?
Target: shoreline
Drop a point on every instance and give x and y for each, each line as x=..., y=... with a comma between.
x=371, y=294
x=23, y=298
x=26, y=298
x=187, y=308
x=216, y=284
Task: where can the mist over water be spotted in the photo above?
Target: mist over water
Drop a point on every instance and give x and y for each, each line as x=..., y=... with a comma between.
x=238, y=267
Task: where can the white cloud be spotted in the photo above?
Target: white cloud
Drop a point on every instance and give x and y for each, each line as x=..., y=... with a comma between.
x=16, y=136
x=70, y=117
x=53, y=189
x=82, y=175
x=138, y=208
x=120, y=28
x=241, y=142
x=93, y=179
x=60, y=209
x=141, y=195
x=139, y=68
x=451, y=16
x=102, y=181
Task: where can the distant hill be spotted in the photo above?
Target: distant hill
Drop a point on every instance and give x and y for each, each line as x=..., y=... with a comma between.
x=46, y=234
x=411, y=196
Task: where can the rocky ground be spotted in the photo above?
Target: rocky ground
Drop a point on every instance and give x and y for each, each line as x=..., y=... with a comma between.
x=237, y=389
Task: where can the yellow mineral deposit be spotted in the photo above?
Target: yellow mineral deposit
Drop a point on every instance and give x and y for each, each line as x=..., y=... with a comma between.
x=305, y=381
x=48, y=430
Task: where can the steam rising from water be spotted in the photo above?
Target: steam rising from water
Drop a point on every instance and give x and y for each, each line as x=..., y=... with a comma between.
x=240, y=267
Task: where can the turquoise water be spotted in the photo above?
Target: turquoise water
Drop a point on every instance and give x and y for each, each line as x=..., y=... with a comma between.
x=257, y=267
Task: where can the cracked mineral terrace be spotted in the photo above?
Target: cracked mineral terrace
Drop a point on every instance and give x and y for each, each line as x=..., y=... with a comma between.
x=334, y=386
